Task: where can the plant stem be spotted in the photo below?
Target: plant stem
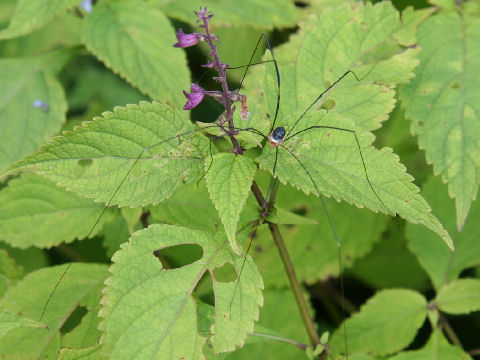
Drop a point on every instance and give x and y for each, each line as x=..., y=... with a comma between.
x=297, y=290
x=290, y=271
x=237, y=149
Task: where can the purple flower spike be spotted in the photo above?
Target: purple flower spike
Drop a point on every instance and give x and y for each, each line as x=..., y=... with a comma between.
x=194, y=98
x=186, y=40
x=203, y=15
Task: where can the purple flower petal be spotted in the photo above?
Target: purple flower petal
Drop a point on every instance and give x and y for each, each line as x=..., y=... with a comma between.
x=185, y=40
x=195, y=97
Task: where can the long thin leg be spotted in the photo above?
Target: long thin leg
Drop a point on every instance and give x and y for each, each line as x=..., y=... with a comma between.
x=359, y=151
x=319, y=97
x=111, y=199
x=337, y=240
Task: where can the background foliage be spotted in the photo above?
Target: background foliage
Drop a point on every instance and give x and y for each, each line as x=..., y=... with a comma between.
x=416, y=114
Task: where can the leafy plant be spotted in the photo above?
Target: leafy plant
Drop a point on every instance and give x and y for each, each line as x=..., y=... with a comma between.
x=192, y=271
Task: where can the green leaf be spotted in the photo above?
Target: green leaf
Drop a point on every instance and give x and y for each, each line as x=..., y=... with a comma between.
x=135, y=40
x=442, y=102
x=132, y=156
x=411, y=18
x=275, y=13
x=391, y=265
x=459, y=297
x=313, y=248
x=35, y=212
x=331, y=156
x=387, y=323
x=442, y=265
x=229, y=178
x=141, y=294
x=190, y=206
x=90, y=353
x=9, y=271
x=31, y=15
x=31, y=297
x=24, y=81
x=437, y=348
x=10, y=321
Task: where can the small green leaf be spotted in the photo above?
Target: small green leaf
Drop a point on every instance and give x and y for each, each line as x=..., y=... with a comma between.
x=132, y=156
x=30, y=15
x=442, y=102
x=387, y=323
x=24, y=82
x=33, y=297
x=36, y=212
x=141, y=294
x=442, y=265
x=135, y=40
x=437, y=348
x=459, y=297
x=274, y=13
x=10, y=321
x=229, y=178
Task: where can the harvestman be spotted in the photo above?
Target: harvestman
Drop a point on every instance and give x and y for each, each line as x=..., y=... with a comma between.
x=277, y=137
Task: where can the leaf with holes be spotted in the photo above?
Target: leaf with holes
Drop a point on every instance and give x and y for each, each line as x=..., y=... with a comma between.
x=442, y=101
x=135, y=40
x=229, y=178
x=32, y=294
x=149, y=311
x=131, y=156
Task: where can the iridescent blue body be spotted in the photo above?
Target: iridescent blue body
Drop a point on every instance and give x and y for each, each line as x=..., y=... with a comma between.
x=276, y=138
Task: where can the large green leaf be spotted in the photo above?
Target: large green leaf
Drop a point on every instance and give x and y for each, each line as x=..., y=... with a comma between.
x=329, y=46
x=135, y=40
x=131, y=156
x=386, y=323
x=255, y=13
x=35, y=212
x=149, y=311
x=24, y=82
x=30, y=15
x=442, y=265
x=229, y=179
x=33, y=298
x=459, y=297
x=442, y=101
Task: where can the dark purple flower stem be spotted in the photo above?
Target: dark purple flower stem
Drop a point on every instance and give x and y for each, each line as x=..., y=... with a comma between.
x=237, y=149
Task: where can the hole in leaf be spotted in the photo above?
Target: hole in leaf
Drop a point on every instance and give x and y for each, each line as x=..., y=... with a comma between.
x=204, y=290
x=177, y=256
x=74, y=319
x=85, y=162
x=420, y=123
x=225, y=273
